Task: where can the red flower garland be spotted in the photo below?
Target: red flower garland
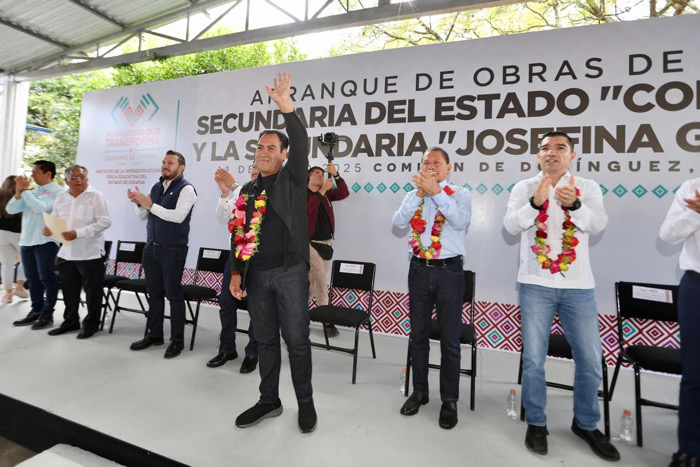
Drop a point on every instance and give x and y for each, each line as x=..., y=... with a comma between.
x=568, y=241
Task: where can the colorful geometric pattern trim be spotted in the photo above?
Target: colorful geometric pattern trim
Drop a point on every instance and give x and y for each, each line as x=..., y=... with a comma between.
x=497, y=324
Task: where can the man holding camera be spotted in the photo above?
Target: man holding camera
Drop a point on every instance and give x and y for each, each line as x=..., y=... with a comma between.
x=321, y=228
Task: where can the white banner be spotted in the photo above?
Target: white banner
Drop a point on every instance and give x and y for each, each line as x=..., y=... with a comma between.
x=628, y=93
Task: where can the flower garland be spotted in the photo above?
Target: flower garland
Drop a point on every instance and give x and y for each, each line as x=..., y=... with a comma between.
x=418, y=226
x=568, y=241
x=247, y=242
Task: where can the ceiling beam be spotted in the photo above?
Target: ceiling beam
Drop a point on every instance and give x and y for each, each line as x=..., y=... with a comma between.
x=97, y=13
x=36, y=35
x=128, y=32
x=374, y=15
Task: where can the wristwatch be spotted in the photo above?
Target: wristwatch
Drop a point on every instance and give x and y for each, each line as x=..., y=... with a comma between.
x=534, y=206
x=336, y=176
x=234, y=186
x=576, y=205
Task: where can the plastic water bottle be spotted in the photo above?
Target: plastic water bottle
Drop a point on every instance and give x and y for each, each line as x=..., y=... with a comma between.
x=402, y=380
x=218, y=341
x=626, y=427
x=511, y=407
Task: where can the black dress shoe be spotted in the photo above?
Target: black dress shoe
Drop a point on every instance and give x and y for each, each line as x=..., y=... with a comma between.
x=307, y=417
x=174, y=349
x=249, y=364
x=43, y=321
x=536, y=439
x=331, y=330
x=85, y=333
x=448, y=415
x=64, y=328
x=27, y=320
x=221, y=358
x=598, y=442
x=146, y=342
x=681, y=459
x=411, y=406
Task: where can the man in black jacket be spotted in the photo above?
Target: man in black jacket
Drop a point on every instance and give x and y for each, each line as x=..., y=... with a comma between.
x=270, y=262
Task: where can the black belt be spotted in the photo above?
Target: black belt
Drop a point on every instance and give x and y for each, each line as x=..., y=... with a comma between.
x=436, y=262
x=167, y=245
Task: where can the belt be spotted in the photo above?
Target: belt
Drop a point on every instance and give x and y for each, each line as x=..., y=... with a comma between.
x=167, y=245
x=436, y=262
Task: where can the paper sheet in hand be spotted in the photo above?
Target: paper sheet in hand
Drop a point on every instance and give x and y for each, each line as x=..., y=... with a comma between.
x=57, y=226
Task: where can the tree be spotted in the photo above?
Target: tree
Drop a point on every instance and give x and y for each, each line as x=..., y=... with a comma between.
x=55, y=103
x=508, y=19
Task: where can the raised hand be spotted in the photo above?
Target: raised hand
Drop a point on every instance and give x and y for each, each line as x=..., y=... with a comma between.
x=427, y=183
x=542, y=190
x=224, y=179
x=693, y=204
x=327, y=185
x=567, y=194
x=280, y=94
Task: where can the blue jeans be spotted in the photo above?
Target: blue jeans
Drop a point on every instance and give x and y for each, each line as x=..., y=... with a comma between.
x=39, y=262
x=689, y=409
x=579, y=317
x=277, y=300
x=164, y=266
x=441, y=287
x=228, y=315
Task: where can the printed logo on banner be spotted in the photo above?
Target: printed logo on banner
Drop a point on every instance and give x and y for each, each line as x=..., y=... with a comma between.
x=147, y=104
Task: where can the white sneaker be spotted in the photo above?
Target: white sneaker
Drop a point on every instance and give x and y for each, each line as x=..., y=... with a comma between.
x=7, y=298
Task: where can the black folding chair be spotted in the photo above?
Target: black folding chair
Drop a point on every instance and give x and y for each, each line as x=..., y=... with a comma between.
x=209, y=260
x=560, y=348
x=130, y=254
x=349, y=275
x=655, y=302
x=467, y=336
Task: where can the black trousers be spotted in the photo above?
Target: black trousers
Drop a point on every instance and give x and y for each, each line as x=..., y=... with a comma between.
x=87, y=275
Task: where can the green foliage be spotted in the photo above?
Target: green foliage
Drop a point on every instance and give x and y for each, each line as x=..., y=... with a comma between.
x=55, y=103
x=515, y=18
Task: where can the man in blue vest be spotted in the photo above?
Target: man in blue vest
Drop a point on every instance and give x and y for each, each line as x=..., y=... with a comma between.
x=168, y=210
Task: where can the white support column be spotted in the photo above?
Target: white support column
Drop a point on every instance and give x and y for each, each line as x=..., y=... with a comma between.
x=14, y=98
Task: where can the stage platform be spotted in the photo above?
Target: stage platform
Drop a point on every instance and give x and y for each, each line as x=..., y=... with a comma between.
x=180, y=411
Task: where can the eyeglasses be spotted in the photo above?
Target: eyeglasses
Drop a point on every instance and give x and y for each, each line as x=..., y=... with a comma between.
x=74, y=178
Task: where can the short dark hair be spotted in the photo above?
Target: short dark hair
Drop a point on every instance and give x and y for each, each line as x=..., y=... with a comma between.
x=315, y=167
x=47, y=166
x=180, y=157
x=558, y=133
x=283, y=138
x=441, y=151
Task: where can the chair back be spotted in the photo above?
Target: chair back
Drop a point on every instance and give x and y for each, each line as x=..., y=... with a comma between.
x=469, y=292
x=657, y=302
x=108, y=250
x=354, y=275
x=211, y=260
x=129, y=252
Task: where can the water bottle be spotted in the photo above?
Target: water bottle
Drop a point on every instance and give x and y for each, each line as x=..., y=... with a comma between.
x=626, y=427
x=218, y=342
x=402, y=380
x=511, y=407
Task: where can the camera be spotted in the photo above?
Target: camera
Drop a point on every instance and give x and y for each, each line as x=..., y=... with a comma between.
x=328, y=139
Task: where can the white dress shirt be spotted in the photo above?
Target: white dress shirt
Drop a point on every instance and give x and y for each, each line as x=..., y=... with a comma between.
x=457, y=210
x=88, y=215
x=682, y=224
x=225, y=206
x=184, y=204
x=589, y=219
